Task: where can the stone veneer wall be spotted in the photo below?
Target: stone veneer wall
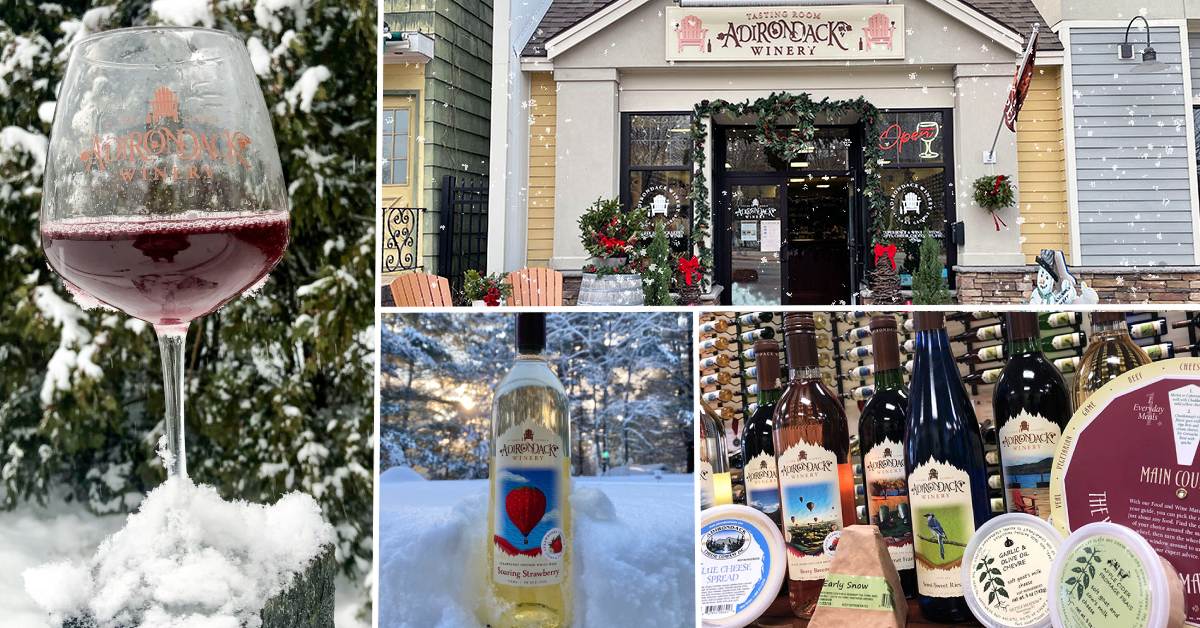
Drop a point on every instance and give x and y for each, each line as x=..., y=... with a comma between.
x=1014, y=284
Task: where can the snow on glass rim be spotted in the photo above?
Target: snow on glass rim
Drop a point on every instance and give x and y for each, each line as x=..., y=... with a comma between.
x=82, y=45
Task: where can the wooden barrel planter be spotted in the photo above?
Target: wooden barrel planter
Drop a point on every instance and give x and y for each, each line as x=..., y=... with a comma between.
x=611, y=290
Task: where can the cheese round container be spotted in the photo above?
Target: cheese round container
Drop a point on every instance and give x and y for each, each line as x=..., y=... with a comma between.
x=742, y=565
x=1107, y=576
x=1006, y=568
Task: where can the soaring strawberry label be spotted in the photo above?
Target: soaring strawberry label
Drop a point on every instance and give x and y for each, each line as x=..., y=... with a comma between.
x=529, y=544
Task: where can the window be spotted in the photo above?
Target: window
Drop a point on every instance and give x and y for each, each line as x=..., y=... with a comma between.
x=656, y=158
x=918, y=182
x=396, y=122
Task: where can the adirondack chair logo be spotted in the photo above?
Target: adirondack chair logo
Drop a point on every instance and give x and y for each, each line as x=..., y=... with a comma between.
x=691, y=32
x=911, y=204
x=880, y=31
x=659, y=206
x=163, y=106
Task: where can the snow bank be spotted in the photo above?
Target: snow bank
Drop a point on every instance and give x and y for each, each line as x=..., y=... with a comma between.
x=400, y=474
x=632, y=563
x=187, y=555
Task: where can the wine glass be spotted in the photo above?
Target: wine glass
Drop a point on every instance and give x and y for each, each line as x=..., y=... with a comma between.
x=163, y=196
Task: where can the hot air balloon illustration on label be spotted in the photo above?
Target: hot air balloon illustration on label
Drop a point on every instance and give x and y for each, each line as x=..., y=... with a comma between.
x=525, y=507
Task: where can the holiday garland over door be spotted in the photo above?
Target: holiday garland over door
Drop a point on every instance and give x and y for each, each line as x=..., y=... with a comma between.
x=784, y=143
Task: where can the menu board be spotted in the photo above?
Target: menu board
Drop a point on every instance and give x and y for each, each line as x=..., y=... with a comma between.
x=1129, y=456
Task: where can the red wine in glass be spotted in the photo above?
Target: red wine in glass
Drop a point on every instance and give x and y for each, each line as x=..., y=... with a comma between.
x=167, y=271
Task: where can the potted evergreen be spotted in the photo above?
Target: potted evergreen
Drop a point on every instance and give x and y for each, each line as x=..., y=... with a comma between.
x=612, y=237
x=485, y=290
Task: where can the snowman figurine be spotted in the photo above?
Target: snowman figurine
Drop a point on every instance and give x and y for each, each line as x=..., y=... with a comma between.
x=1056, y=285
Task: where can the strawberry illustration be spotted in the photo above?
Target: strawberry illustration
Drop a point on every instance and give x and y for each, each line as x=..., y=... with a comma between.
x=556, y=545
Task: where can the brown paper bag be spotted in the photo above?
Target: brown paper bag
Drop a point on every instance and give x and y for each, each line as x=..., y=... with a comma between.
x=862, y=589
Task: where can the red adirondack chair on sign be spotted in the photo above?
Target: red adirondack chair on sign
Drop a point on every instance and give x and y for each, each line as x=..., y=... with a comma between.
x=879, y=30
x=691, y=32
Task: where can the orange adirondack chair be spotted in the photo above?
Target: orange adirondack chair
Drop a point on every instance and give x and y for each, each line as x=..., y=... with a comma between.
x=691, y=32
x=536, y=286
x=421, y=290
x=879, y=30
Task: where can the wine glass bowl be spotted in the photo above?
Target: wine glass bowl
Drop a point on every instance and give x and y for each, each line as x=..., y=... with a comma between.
x=163, y=196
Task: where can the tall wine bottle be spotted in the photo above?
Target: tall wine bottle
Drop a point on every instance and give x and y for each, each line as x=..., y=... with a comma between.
x=715, y=486
x=1031, y=406
x=816, y=480
x=947, y=472
x=760, y=473
x=881, y=439
x=1110, y=352
x=529, y=528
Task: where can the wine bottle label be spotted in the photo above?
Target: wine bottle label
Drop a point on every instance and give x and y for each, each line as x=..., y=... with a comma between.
x=1067, y=365
x=1148, y=328
x=943, y=522
x=1060, y=319
x=1028, y=443
x=812, y=509
x=1160, y=351
x=992, y=353
x=991, y=332
x=706, y=484
x=1066, y=341
x=762, y=483
x=887, y=500
x=529, y=543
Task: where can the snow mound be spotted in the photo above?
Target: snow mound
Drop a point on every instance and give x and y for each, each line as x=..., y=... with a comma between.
x=632, y=561
x=401, y=474
x=187, y=558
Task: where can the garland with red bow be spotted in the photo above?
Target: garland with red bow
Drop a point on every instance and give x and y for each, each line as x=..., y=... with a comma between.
x=888, y=250
x=994, y=193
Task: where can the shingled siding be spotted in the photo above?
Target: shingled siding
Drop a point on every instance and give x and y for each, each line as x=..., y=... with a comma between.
x=1132, y=162
x=458, y=86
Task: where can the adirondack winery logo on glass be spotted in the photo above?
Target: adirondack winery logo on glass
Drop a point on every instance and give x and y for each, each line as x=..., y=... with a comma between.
x=163, y=147
x=785, y=33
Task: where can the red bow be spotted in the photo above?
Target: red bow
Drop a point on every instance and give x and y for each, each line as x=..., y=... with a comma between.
x=610, y=243
x=889, y=250
x=688, y=267
x=996, y=184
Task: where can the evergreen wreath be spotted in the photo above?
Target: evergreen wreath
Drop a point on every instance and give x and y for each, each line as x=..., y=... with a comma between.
x=768, y=111
x=994, y=193
x=608, y=231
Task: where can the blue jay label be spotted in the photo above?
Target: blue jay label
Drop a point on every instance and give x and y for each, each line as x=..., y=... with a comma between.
x=943, y=522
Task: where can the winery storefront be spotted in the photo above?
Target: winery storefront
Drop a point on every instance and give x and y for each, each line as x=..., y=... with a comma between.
x=791, y=148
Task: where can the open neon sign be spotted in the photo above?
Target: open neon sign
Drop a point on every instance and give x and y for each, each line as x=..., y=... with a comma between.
x=894, y=137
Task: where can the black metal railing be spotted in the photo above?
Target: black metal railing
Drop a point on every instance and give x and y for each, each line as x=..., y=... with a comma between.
x=401, y=235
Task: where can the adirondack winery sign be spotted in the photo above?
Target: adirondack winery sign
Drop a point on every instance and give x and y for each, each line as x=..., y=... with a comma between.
x=785, y=33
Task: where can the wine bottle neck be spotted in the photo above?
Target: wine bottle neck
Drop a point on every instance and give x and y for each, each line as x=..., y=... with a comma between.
x=890, y=379
x=1022, y=346
x=767, y=397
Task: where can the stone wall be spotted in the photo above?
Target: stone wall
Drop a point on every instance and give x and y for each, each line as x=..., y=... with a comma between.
x=1014, y=284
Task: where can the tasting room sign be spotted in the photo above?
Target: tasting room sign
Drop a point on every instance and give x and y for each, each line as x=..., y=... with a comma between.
x=785, y=33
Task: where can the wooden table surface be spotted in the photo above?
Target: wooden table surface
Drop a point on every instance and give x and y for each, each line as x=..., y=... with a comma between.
x=780, y=616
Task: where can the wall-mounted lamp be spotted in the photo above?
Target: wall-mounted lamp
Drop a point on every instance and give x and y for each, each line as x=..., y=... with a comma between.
x=1125, y=51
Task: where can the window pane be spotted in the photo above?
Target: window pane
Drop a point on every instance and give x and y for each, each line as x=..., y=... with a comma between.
x=659, y=140
x=913, y=137
x=400, y=147
x=402, y=121
x=743, y=153
x=387, y=170
x=400, y=171
x=830, y=150
x=665, y=193
x=915, y=203
x=389, y=117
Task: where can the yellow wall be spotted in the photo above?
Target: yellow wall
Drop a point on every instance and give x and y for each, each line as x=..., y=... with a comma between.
x=542, y=151
x=1042, y=169
x=408, y=78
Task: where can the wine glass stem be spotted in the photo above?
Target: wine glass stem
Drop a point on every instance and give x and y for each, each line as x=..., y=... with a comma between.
x=170, y=343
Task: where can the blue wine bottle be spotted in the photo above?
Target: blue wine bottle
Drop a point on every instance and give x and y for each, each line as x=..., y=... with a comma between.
x=947, y=472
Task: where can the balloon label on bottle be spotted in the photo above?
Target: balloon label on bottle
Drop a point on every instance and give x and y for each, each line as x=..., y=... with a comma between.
x=812, y=509
x=887, y=500
x=735, y=560
x=1027, y=446
x=943, y=522
x=529, y=543
x=762, y=484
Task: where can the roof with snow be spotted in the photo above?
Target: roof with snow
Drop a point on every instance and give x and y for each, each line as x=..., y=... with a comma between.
x=1019, y=16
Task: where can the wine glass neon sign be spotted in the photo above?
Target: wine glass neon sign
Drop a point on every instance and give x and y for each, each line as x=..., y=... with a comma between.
x=894, y=137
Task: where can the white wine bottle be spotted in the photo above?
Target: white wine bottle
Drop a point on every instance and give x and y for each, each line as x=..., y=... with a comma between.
x=529, y=525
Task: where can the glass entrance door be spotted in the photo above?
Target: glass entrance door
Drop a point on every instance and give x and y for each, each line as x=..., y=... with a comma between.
x=757, y=214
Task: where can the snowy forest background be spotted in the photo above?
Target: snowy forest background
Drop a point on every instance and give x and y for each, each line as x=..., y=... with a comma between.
x=279, y=384
x=628, y=377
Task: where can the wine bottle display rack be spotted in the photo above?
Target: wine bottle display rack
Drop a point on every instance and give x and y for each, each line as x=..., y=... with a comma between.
x=728, y=381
